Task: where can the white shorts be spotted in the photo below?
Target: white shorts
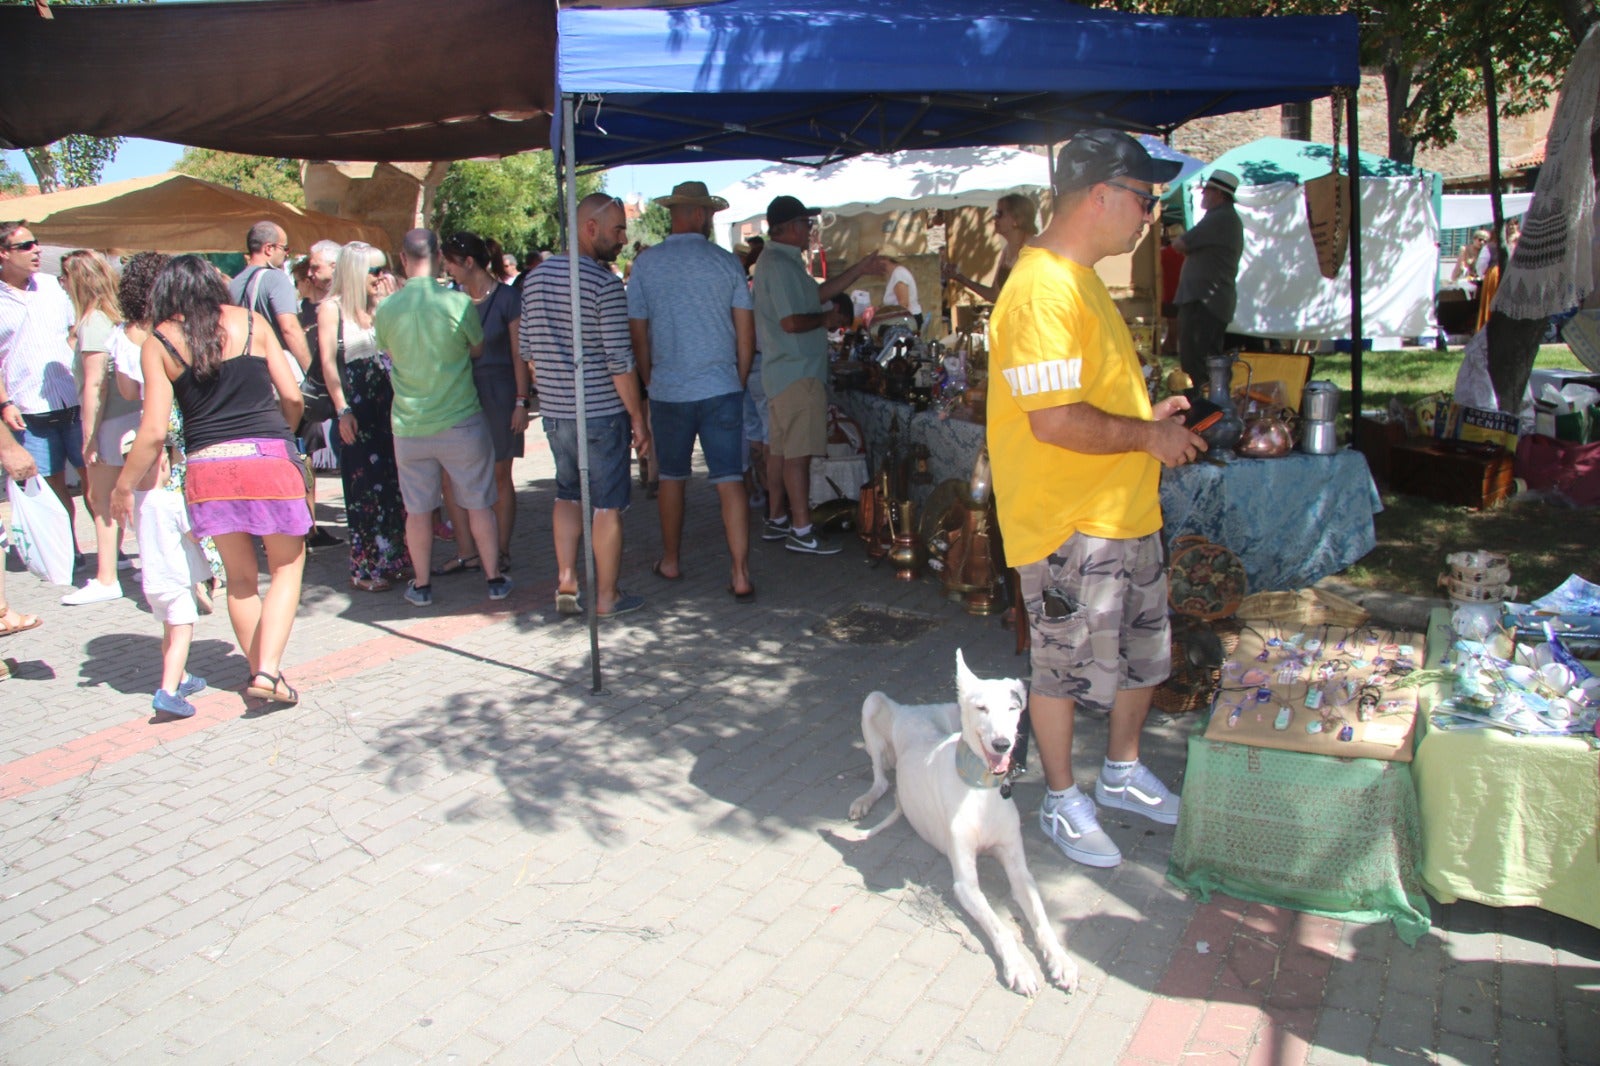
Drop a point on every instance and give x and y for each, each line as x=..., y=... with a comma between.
x=171, y=559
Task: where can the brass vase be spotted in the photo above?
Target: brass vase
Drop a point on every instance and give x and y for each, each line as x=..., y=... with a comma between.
x=906, y=552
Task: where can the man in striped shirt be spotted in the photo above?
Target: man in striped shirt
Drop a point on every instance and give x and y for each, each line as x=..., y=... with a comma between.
x=38, y=394
x=612, y=405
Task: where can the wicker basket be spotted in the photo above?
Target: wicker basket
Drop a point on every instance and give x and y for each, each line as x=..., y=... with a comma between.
x=1308, y=607
x=1191, y=688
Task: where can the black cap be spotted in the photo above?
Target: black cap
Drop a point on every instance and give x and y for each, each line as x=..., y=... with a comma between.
x=1094, y=156
x=786, y=209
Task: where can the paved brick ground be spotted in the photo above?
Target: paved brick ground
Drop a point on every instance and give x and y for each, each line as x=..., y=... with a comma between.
x=454, y=851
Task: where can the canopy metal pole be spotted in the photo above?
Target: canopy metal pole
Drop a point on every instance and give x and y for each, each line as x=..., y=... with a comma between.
x=575, y=295
x=1356, y=342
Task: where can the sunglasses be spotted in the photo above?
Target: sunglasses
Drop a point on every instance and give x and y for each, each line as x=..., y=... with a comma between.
x=22, y=246
x=377, y=271
x=1149, y=200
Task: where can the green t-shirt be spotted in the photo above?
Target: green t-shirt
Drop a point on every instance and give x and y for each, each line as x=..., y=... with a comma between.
x=428, y=332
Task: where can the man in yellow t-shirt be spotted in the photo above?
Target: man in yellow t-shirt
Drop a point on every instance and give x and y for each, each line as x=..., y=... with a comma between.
x=1077, y=453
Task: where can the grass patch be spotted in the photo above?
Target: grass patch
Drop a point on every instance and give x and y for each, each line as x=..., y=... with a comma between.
x=1545, y=541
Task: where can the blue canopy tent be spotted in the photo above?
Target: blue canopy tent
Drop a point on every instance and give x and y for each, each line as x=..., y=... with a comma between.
x=815, y=82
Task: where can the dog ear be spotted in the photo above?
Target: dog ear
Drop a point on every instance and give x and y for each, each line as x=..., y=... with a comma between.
x=963, y=675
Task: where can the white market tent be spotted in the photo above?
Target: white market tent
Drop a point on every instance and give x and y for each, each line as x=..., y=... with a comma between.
x=1282, y=292
x=928, y=179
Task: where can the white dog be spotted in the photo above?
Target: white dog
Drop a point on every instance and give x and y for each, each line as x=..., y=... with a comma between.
x=949, y=761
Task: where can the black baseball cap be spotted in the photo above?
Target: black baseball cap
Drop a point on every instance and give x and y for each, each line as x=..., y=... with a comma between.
x=1094, y=156
x=786, y=209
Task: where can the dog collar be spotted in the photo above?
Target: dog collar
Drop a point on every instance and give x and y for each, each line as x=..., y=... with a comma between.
x=973, y=770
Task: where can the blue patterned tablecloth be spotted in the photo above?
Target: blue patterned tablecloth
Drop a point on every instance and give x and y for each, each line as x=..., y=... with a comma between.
x=1292, y=520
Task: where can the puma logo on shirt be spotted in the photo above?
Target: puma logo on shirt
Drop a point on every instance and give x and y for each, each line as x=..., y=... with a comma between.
x=1051, y=376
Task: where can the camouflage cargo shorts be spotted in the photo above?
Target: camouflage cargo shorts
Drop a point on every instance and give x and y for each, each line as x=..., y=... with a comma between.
x=1097, y=618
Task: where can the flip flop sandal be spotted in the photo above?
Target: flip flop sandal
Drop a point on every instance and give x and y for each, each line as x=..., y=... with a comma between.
x=505, y=561
x=567, y=603
x=743, y=597
x=270, y=692
x=655, y=568
x=371, y=584
x=24, y=623
x=458, y=565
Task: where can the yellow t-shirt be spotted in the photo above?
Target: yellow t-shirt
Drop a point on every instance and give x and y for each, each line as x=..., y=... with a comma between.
x=1056, y=338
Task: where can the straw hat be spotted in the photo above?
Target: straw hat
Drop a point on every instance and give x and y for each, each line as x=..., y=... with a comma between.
x=692, y=194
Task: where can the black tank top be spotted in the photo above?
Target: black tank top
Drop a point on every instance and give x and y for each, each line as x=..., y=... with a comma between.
x=237, y=404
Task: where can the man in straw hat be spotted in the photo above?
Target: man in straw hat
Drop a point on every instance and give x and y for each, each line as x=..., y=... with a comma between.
x=693, y=330
x=1207, y=293
x=1077, y=452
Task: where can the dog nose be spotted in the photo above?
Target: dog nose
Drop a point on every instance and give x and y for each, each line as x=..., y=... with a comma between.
x=1001, y=745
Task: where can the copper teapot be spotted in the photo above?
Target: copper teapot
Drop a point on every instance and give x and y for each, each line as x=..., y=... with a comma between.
x=1266, y=437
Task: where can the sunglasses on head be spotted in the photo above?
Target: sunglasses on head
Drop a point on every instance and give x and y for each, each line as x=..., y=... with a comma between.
x=22, y=246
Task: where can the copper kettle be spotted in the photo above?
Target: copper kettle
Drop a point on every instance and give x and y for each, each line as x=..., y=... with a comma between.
x=1266, y=437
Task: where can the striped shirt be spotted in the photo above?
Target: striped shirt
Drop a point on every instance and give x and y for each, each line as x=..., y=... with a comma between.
x=35, y=346
x=546, y=333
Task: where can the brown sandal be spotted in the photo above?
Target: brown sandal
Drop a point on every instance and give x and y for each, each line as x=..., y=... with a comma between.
x=270, y=692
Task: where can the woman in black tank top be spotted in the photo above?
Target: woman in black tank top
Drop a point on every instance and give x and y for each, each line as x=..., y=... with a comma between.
x=231, y=380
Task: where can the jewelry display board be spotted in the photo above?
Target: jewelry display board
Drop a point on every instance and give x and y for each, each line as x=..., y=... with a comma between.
x=1323, y=690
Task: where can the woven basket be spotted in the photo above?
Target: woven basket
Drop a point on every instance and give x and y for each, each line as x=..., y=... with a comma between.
x=1190, y=688
x=1308, y=607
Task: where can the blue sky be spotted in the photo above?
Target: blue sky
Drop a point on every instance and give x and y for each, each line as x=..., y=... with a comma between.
x=139, y=157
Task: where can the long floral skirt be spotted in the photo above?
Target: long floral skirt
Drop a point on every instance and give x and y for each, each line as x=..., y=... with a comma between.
x=373, y=509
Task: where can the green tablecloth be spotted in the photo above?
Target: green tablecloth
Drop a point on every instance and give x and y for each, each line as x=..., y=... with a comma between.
x=1337, y=837
x=1507, y=820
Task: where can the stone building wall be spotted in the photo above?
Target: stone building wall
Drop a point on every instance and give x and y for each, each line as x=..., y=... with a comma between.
x=1520, y=138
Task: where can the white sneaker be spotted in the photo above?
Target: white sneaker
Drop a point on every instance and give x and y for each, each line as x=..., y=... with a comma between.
x=1142, y=792
x=93, y=592
x=1075, y=829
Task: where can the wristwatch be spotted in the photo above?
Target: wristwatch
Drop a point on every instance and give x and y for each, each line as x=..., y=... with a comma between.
x=345, y=411
x=520, y=401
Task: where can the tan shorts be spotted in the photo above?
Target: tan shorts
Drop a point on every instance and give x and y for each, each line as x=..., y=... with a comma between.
x=465, y=451
x=798, y=420
x=1097, y=616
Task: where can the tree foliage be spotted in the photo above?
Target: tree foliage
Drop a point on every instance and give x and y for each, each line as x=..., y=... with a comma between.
x=10, y=180
x=77, y=159
x=1433, y=52
x=514, y=200
x=650, y=226
x=266, y=176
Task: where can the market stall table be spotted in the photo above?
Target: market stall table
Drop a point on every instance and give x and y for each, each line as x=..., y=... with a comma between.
x=1292, y=521
x=1507, y=820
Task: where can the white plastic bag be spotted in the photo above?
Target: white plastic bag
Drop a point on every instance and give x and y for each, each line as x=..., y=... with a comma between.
x=40, y=530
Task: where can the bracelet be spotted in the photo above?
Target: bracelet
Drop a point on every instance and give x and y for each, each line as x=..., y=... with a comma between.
x=7, y=403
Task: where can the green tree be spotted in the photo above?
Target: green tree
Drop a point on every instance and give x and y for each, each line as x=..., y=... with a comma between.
x=1432, y=53
x=650, y=226
x=77, y=159
x=514, y=200
x=10, y=180
x=266, y=176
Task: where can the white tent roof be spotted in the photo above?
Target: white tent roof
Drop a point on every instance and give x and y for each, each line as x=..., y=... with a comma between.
x=1460, y=210
x=904, y=181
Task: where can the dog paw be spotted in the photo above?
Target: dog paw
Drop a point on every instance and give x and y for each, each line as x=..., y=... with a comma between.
x=1063, y=972
x=1018, y=976
x=859, y=809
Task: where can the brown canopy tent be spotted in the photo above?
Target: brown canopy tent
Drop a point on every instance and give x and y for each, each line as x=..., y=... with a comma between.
x=379, y=80
x=174, y=213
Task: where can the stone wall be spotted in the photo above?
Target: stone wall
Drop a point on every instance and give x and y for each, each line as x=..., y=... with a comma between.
x=1520, y=138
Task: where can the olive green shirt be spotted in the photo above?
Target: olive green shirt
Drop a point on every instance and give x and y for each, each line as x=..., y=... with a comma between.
x=429, y=332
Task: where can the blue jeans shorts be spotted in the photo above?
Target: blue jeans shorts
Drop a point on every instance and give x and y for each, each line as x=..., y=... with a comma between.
x=610, y=460
x=54, y=439
x=719, y=423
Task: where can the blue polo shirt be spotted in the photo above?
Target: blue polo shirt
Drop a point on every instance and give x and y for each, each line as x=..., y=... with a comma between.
x=687, y=288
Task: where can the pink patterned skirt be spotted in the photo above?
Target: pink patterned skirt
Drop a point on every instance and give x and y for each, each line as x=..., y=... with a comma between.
x=255, y=486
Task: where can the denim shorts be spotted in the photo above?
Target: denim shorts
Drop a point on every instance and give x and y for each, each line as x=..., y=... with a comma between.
x=755, y=405
x=610, y=460
x=54, y=439
x=719, y=423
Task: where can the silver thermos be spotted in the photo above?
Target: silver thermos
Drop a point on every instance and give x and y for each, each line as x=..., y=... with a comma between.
x=1319, y=407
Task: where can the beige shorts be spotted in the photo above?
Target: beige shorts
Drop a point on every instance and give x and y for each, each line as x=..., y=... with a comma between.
x=797, y=425
x=465, y=451
x=1097, y=618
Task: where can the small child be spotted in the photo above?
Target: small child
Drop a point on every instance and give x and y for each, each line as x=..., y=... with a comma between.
x=173, y=565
